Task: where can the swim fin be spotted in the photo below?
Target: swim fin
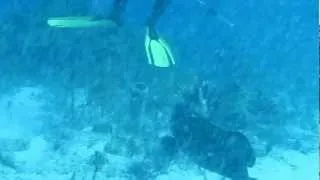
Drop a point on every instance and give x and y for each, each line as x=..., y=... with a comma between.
x=158, y=52
x=80, y=22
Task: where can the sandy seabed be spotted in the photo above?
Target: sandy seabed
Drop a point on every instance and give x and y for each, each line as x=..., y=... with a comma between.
x=40, y=162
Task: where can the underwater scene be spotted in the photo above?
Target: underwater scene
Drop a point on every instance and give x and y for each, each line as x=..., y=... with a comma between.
x=159, y=90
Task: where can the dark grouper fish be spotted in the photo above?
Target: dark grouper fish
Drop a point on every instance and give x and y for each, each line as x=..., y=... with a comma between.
x=227, y=153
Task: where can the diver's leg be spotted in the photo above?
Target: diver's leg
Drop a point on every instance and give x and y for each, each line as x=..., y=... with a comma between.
x=158, y=9
x=158, y=52
x=118, y=8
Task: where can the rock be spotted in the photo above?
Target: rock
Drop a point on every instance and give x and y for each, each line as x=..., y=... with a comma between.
x=8, y=144
x=102, y=127
x=36, y=151
x=7, y=159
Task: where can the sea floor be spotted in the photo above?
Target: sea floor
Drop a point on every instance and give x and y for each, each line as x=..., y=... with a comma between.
x=38, y=161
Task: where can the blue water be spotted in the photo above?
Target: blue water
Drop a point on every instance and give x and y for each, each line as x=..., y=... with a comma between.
x=261, y=58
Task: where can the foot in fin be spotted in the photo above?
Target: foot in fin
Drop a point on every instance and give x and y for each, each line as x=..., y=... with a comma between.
x=113, y=20
x=158, y=52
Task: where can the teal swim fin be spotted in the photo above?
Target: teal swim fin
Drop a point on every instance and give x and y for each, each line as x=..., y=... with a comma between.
x=80, y=22
x=158, y=51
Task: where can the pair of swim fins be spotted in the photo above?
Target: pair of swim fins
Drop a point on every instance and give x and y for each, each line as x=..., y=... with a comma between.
x=158, y=51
